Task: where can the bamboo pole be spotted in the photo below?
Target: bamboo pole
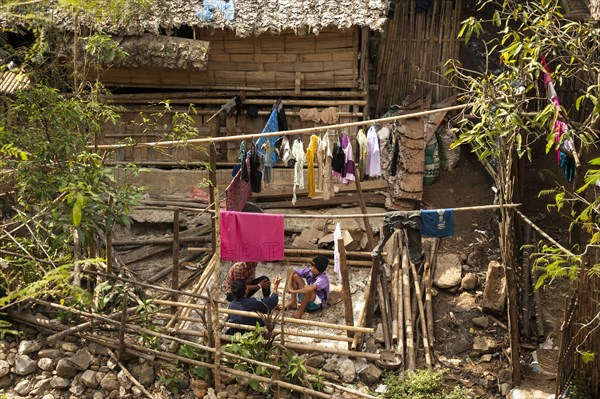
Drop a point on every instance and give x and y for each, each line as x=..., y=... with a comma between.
x=286, y=319
x=348, y=308
x=124, y=302
x=419, y=299
x=175, y=270
x=400, y=299
x=212, y=175
x=383, y=309
x=526, y=284
x=215, y=295
x=410, y=350
x=349, y=262
x=310, y=130
x=128, y=374
x=394, y=291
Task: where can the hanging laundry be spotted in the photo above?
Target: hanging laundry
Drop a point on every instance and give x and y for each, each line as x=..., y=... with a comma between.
x=300, y=157
x=347, y=169
x=283, y=150
x=337, y=234
x=310, y=162
x=373, y=161
x=328, y=183
x=211, y=8
x=437, y=222
x=410, y=221
x=338, y=160
x=251, y=237
x=565, y=146
x=281, y=118
x=328, y=116
x=255, y=173
x=361, y=153
x=267, y=162
x=239, y=190
x=271, y=126
x=321, y=148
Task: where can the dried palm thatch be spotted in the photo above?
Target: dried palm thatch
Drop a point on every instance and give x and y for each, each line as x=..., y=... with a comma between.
x=250, y=17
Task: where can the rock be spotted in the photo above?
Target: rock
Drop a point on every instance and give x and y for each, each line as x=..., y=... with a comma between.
x=88, y=378
x=6, y=381
x=110, y=382
x=144, y=373
x=69, y=347
x=200, y=388
x=476, y=259
x=486, y=358
x=484, y=345
x=505, y=389
x=4, y=368
x=330, y=365
x=463, y=257
x=210, y=394
x=41, y=387
x=82, y=359
x=66, y=369
x=98, y=395
x=137, y=393
x=466, y=301
x=316, y=361
x=460, y=345
x=494, y=294
x=371, y=346
x=378, y=333
x=49, y=353
x=504, y=375
x=369, y=375
x=481, y=322
x=60, y=383
x=347, y=371
x=448, y=272
x=27, y=347
x=23, y=387
x=77, y=389
x=24, y=365
x=124, y=380
x=48, y=396
x=45, y=364
x=469, y=281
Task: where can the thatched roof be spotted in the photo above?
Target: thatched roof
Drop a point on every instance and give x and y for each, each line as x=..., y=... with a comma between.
x=251, y=17
x=164, y=52
x=11, y=82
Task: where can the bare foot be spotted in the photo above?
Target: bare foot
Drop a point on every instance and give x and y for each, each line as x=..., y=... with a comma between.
x=289, y=306
x=297, y=315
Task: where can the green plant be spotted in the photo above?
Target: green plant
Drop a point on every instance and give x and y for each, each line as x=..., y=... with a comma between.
x=190, y=352
x=145, y=309
x=579, y=387
x=173, y=378
x=421, y=384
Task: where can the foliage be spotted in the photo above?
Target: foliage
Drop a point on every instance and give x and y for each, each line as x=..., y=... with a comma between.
x=5, y=329
x=173, y=378
x=422, y=384
x=579, y=387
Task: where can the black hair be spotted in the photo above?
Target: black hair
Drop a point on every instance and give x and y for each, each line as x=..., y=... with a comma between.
x=238, y=288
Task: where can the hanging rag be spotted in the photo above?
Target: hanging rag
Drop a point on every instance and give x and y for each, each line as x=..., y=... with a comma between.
x=437, y=222
x=300, y=157
x=251, y=237
x=238, y=191
x=373, y=161
x=337, y=234
x=310, y=162
x=410, y=221
x=271, y=126
x=282, y=149
x=361, y=153
x=255, y=173
x=348, y=174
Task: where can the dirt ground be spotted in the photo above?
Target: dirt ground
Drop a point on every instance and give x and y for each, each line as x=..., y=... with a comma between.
x=476, y=238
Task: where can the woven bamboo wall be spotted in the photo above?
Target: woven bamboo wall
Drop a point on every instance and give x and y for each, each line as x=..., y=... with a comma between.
x=415, y=45
x=580, y=332
x=285, y=61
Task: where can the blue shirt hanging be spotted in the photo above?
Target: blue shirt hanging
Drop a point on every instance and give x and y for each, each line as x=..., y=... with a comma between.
x=437, y=222
x=271, y=126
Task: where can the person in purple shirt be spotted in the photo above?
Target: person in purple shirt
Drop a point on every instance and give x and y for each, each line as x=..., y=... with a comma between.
x=310, y=286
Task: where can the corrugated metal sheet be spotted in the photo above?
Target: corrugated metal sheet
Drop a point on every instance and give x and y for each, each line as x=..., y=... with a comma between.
x=13, y=81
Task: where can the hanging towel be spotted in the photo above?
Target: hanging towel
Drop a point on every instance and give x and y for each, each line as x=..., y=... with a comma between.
x=437, y=222
x=373, y=164
x=300, y=157
x=337, y=234
x=310, y=161
x=251, y=237
x=238, y=191
x=271, y=126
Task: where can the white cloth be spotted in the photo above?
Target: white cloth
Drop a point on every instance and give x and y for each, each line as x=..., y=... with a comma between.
x=350, y=170
x=373, y=167
x=286, y=153
x=300, y=157
x=337, y=234
x=361, y=139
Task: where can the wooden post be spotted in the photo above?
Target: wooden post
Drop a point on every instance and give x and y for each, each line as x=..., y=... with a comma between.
x=525, y=284
x=124, y=301
x=175, y=270
x=215, y=297
x=212, y=175
x=363, y=209
x=421, y=314
x=348, y=309
x=410, y=348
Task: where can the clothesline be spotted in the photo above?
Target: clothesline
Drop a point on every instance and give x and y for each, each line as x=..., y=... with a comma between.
x=377, y=215
x=310, y=130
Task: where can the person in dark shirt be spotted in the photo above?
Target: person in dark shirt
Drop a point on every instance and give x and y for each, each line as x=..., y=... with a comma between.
x=242, y=302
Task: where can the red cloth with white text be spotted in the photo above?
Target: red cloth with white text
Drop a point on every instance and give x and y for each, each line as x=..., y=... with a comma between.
x=251, y=237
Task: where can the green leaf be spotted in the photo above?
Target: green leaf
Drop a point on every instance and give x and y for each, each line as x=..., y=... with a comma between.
x=76, y=214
